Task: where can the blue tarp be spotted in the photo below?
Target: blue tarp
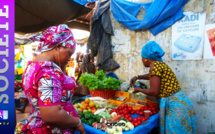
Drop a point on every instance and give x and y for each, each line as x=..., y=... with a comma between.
x=111, y=74
x=151, y=123
x=83, y=2
x=160, y=14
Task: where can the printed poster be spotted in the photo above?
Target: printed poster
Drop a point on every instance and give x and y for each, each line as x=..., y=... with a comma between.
x=209, y=47
x=188, y=37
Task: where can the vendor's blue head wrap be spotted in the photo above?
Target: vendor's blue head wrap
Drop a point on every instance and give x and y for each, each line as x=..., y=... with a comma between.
x=152, y=51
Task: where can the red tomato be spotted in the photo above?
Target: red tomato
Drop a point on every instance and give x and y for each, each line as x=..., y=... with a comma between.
x=126, y=116
x=129, y=115
x=120, y=112
x=154, y=112
x=126, y=109
x=130, y=119
x=141, y=113
x=114, y=110
x=153, y=109
x=137, y=112
x=119, y=108
x=130, y=109
x=135, y=120
x=111, y=112
x=138, y=118
x=139, y=122
x=143, y=119
x=126, y=112
x=146, y=118
x=151, y=106
x=135, y=124
x=141, y=108
x=132, y=112
x=125, y=106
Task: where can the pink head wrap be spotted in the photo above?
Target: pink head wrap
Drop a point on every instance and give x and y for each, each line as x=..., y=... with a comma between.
x=54, y=36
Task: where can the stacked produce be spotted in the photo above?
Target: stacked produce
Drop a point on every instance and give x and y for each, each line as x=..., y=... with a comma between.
x=19, y=127
x=87, y=105
x=99, y=81
x=100, y=114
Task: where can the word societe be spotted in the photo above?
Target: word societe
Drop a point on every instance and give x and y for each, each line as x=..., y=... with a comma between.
x=4, y=61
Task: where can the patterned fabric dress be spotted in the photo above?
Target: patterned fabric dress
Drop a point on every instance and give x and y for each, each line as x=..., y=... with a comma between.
x=45, y=84
x=177, y=115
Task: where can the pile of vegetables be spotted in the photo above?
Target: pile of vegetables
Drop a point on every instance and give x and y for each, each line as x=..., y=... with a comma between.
x=89, y=118
x=87, y=105
x=111, y=119
x=99, y=81
x=19, y=127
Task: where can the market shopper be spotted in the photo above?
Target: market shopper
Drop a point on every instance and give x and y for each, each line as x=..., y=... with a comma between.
x=176, y=110
x=86, y=66
x=47, y=88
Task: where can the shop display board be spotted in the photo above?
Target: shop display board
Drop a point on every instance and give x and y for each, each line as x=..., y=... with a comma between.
x=188, y=37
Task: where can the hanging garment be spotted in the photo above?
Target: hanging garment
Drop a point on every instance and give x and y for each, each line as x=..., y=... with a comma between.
x=99, y=41
x=160, y=14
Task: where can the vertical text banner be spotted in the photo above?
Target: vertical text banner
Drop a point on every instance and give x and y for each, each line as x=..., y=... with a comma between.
x=7, y=111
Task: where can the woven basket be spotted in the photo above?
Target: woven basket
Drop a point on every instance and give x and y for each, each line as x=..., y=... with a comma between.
x=102, y=93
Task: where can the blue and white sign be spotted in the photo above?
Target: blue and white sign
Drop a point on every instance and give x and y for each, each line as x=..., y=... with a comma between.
x=188, y=37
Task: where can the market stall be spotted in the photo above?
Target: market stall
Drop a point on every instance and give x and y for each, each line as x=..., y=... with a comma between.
x=125, y=120
x=112, y=111
x=145, y=128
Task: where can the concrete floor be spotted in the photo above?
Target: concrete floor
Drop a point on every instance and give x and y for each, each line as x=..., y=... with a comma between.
x=22, y=116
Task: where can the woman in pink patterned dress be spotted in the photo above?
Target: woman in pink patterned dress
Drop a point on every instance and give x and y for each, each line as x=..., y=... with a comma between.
x=47, y=88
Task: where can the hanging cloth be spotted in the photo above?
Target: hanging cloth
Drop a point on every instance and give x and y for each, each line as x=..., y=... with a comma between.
x=160, y=14
x=99, y=41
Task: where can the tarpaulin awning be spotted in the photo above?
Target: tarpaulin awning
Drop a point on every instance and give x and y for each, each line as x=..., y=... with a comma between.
x=83, y=2
x=36, y=15
x=160, y=14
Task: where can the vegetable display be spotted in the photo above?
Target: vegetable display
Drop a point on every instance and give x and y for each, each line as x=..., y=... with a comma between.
x=111, y=119
x=99, y=81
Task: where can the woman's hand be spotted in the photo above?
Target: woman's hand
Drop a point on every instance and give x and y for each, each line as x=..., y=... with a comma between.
x=132, y=81
x=136, y=90
x=81, y=128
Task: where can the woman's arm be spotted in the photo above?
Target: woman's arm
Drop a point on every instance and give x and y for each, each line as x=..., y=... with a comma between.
x=56, y=116
x=155, y=84
x=145, y=77
x=154, y=87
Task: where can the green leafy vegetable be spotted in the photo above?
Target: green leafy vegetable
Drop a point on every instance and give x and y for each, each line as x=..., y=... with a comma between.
x=99, y=81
